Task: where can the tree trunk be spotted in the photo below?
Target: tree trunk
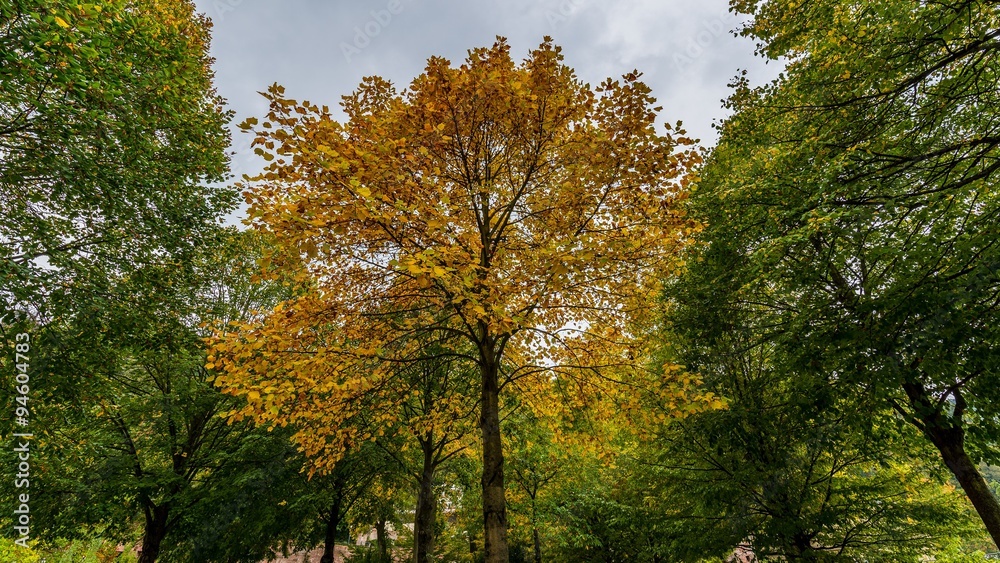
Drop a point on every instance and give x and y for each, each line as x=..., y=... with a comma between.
x=538, y=545
x=156, y=530
x=423, y=521
x=383, y=546
x=332, y=523
x=947, y=433
x=494, y=503
x=951, y=443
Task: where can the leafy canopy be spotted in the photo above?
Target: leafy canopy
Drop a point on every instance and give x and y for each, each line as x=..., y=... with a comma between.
x=508, y=205
x=110, y=136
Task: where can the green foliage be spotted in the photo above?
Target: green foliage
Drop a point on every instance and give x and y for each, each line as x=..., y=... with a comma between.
x=9, y=551
x=113, y=146
x=798, y=465
x=111, y=133
x=96, y=550
x=608, y=512
x=851, y=221
x=132, y=432
x=459, y=519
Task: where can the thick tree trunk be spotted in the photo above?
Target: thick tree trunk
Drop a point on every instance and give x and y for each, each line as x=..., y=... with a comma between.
x=332, y=523
x=383, y=544
x=156, y=530
x=423, y=522
x=494, y=503
x=538, y=545
x=951, y=443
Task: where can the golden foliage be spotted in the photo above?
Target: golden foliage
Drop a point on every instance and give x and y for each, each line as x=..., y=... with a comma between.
x=508, y=207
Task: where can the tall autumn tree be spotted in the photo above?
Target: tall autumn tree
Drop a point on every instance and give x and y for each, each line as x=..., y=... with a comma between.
x=852, y=204
x=508, y=205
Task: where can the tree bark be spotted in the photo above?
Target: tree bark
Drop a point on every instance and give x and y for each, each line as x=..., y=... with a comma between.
x=383, y=545
x=423, y=522
x=950, y=442
x=156, y=530
x=494, y=502
x=947, y=433
x=538, y=545
x=332, y=523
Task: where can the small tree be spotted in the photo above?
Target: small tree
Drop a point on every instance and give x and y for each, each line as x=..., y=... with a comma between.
x=131, y=424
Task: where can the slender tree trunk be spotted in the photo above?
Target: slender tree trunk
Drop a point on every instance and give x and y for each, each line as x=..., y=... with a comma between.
x=423, y=521
x=494, y=503
x=156, y=530
x=332, y=523
x=951, y=443
x=947, y=433
x=383, y=545
x=533, y=494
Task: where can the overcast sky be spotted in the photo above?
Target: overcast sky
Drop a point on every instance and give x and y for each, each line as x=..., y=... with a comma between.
x=319, y=50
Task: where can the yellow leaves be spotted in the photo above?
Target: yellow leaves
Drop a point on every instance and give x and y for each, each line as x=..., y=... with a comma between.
x=309, y=248
x=61, y=22
x=397, y=243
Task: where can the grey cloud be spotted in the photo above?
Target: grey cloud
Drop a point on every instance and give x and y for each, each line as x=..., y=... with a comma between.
x=679, y=45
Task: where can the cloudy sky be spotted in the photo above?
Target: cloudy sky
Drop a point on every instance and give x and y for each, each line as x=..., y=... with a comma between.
x=319, y=50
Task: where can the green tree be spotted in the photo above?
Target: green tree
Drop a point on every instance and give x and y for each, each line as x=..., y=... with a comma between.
x=853, y=203
x=535, y=462
x=603, y=512
x=110, y=136
x=434, y=403
x=131, y=427
x=795, y=468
